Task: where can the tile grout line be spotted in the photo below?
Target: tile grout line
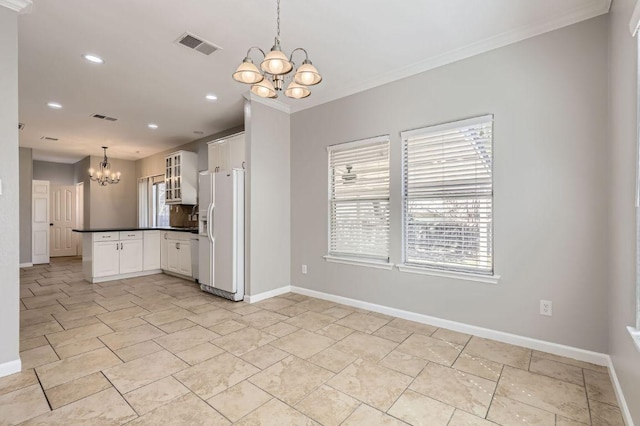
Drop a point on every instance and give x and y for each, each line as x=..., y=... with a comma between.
x=586, y=394
x=46, y=397
x=119, y=393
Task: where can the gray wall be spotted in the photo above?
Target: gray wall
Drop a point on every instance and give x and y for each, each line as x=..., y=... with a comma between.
x=622, y=221
x=268, y=221
x=59, y=173
x=26, y=176
x=113, y=206
x=80, y=174
x=154, y=164
x=549, y=97
x=9, y=200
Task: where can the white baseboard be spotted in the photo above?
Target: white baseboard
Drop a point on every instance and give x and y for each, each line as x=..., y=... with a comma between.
x=26, y=265
x=10, y=367
x=514, y=339
x=622, y=402
x=95, y=280
x=267, y=294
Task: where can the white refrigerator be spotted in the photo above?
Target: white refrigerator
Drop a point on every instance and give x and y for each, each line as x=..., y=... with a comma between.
x=221, y=233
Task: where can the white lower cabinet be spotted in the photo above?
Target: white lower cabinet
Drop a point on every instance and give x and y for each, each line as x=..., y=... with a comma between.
x=114, y=254
x=109, y=256
x=164, y=251
x=106, y=258
x=151, y=251
x=179, y=257
x=184, y=266
x=173, y=256
x=175, y=253
x=130, y=256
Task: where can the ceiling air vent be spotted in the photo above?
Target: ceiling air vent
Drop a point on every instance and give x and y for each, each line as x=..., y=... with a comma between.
x=20, y=126
x=104, y=117
x=196, y=43
x=47, y=138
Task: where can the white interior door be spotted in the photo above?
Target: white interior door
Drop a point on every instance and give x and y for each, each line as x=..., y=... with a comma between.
x=40, y=221
x=63, y=219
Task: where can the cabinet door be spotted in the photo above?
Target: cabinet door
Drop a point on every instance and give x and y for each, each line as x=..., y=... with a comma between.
x=151, y=250
x=106, y=258
x=173, y=256
x=185, y=258
x=164, y=251
x=218, y=156
x=130, y=256
x=168, y=178
x=224, y=156
x=213, y=152
x=236, y=152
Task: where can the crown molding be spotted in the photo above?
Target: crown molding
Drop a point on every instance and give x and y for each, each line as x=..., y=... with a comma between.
x=272, y=103
x=591, y=10
x=20, y=6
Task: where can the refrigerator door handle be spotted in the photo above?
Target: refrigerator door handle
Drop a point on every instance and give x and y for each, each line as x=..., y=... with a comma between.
x=210, y=222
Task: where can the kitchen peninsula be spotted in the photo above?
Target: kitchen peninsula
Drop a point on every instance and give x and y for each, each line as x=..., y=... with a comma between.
x=110, y=254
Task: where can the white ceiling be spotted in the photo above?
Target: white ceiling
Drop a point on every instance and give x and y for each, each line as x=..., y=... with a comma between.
x=147, y=78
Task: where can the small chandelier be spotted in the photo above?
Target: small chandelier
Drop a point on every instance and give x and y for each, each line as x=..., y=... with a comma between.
x=275, y=66
x=104, y=175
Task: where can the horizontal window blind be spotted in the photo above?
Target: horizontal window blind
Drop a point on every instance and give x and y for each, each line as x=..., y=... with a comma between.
x=359, y=199
x=448, y=196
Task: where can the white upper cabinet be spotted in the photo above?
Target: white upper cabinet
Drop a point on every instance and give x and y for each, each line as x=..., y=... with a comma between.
x=227, y=154
x=236, y=152
x=181, y=178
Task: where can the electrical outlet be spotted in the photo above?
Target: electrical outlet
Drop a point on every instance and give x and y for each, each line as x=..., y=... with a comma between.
x=304, y=269
x=546, y=307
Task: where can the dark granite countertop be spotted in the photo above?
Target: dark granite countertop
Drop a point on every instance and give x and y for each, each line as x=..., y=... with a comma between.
x=134, y=228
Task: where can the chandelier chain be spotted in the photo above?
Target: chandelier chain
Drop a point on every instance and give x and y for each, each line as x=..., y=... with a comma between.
x=278, y=19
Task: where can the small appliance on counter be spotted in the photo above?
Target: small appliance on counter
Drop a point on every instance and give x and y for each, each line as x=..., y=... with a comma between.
x=221, y=233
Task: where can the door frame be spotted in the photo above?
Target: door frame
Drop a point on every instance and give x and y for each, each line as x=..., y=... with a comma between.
x=40, y=226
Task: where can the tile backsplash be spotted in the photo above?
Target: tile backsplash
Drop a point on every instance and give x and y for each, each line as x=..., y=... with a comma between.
x=179, y=215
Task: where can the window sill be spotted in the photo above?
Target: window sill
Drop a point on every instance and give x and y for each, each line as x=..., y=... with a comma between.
x=359, y=262
x=635, y=335
x=487, y=279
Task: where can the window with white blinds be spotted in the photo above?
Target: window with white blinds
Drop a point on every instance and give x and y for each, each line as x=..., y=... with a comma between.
x=448, y=196
x=359, y=199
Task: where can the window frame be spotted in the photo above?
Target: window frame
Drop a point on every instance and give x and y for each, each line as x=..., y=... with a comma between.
x=409, y=267
x=146, y=207
x=355, y=259
x=156, y=204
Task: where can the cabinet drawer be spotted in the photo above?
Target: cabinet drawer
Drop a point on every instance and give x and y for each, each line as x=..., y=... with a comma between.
x=177, y=236
x=105, y=236
x=130, y=235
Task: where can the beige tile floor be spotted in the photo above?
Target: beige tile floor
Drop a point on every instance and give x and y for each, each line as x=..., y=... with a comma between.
x=156, y=350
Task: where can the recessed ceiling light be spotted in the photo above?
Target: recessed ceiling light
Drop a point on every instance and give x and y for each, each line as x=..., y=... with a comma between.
x=211, y=97
x=152, y=126
x=54, y=105
x=93, y=58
